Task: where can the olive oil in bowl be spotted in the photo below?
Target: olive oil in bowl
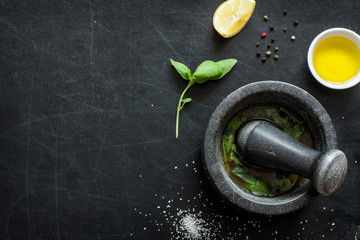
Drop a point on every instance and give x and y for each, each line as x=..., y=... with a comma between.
x=336, y=59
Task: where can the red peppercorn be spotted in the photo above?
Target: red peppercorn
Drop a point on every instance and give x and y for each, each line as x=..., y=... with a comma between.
x=263, y=35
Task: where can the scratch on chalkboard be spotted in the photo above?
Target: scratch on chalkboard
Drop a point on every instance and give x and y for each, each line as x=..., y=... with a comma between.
x=91, y=39
x=179, y=159
x=276, y=74
x=27, y=158
x=248, y=66
x=166, y=41
x=56, y=185
x=147, y=142
x=82, y=103
x=76, y=78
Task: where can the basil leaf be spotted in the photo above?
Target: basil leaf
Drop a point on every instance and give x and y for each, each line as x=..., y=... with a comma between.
x=285, y=183
x=182, y=69
x=295, y=131
x=186, y=100
x=234, y=158
x=234, y=124
x=228, y=142
x=261, y=187
x=226, y=65
x=238, y=171
x=256, y=185
x=225, y=153
x=183, y=101
x=207, y=70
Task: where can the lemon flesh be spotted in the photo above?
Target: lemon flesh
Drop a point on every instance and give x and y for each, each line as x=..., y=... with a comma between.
x=232, y=16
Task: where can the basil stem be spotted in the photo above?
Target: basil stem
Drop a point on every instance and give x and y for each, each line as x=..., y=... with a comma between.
x=180, y=107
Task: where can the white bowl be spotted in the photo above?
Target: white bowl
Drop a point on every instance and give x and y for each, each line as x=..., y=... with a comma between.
x=343, y=32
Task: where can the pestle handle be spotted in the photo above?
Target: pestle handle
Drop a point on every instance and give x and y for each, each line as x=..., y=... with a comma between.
x=265, y=145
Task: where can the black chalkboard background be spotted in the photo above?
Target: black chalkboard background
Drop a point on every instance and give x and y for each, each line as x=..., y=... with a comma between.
x=88, y=104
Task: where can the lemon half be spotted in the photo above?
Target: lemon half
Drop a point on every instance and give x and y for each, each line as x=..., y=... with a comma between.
x=232, y=16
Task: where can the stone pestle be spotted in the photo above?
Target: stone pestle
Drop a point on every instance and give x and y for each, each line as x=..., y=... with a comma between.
x=265, y=145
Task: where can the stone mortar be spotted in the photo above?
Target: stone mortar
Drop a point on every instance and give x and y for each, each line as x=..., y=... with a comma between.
x=276, y=93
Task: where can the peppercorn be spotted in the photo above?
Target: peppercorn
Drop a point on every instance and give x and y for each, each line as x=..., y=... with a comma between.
x=269, y=45
x=257, y=44
x=285, y=12
x=285, y=30
x=263, y=34
x=266, y=18
x=271, y=27
x=292, y=38
x=263, y=59
x=272, y=40
x=276, y=57
x=258, y=54
x=268, y=53
x=276, y=49
x=296, y=22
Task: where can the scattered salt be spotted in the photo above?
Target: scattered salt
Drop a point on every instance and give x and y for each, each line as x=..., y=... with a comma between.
x=191, y=226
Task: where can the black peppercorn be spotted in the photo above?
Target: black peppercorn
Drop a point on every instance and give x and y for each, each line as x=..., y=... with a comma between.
x=263, y=59
x=271, y=27
x=272, y=40
x=258, y=54
x=269, y=46
x=296, y=22
x=257, y=44
x=285, y=12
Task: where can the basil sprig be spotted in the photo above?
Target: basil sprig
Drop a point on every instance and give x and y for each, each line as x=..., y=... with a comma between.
x=207, y=70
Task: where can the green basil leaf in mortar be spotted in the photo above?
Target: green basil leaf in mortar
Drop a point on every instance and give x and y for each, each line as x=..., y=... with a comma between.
x=257, y=185
x=238, y=171
x=207, y=70
x=225, y=153
x=285, y=181
x=226, y=65
x=295, y=131
x=234, y=124
x=234, y=156
x=229, y=146
x=261, y=187
x=182, y=69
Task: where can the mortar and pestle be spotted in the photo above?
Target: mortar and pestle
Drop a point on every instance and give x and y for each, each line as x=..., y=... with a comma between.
x=323, y=167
